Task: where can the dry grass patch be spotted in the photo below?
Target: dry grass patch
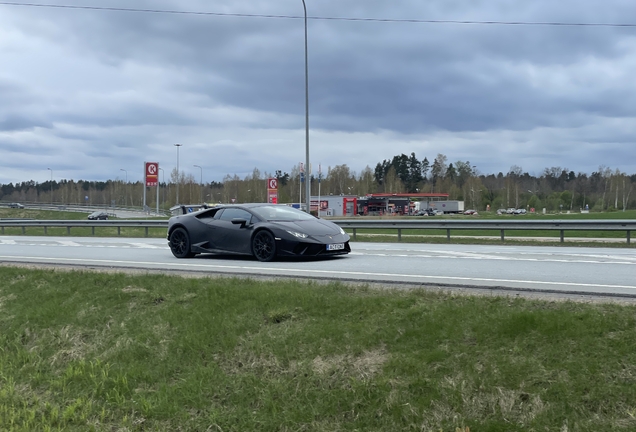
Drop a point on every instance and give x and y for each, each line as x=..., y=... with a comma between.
x=362, y=367
x=130, y=289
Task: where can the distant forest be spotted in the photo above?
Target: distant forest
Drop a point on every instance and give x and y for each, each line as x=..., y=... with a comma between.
x=555, y=189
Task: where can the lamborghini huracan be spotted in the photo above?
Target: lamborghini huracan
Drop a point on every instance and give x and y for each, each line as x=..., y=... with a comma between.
x=265, y=231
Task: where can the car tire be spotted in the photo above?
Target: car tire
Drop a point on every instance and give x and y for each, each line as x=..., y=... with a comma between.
x=180, y=243
x=264, y=246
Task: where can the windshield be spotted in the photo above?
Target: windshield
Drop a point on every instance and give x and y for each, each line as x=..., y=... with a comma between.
x=281, y=213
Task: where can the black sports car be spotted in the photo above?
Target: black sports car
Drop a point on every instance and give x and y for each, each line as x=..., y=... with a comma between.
x=262, y=230
x=98, y=215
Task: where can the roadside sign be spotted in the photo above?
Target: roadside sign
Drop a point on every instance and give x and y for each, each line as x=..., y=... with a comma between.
x=272, y=190
x=152, y=173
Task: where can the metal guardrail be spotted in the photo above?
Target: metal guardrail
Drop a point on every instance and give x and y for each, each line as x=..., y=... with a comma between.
x=355, y=224
x=68, y=224
x=495, y=225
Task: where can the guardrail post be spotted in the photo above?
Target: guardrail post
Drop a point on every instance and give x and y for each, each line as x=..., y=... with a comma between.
x=2, y=230
x=502, y=235
x=44, y=230
x=118, y=231
x=92, y=230
x=629, y=234
x=23, y=230
x=146, y=231
x=68, y=230
x=562, y=239
x=448, y=234
x=355, y=237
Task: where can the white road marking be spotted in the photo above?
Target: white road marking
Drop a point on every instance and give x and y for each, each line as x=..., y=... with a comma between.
x=567, y=257
x=68, y=243
x=292, y=272
x=146, y=246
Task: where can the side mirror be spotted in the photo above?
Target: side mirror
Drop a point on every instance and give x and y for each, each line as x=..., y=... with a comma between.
x=238, y=221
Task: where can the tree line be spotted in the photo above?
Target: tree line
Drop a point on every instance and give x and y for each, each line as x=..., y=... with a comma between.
x=556, y=188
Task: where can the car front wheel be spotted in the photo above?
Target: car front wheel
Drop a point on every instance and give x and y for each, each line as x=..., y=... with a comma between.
x=264, y=246
x=180, y=243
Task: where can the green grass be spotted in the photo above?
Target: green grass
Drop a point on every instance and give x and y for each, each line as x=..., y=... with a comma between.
x=129, y=232
x=6, y=213
x=111, y=352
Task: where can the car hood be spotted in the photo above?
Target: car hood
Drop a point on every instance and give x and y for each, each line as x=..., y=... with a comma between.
x=310, y=227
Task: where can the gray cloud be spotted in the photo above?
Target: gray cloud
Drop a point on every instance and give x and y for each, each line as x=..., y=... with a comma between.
x=120, y=86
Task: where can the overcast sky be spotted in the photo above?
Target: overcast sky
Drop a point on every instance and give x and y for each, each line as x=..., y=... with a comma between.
x=88, y=93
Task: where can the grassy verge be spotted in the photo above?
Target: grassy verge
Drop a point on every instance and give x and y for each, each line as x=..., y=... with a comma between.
x=131, y=232
x=93, y=351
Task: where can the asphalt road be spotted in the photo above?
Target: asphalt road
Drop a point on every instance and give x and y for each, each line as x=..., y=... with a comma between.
x=604, y=271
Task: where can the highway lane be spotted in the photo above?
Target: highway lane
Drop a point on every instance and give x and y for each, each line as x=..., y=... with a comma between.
x=543, y=268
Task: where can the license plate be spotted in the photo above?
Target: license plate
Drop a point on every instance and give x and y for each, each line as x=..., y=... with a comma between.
x=335, y=246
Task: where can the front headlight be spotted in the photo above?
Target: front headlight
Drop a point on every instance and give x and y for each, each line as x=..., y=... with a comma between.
x=342, y=231
x=297, y=234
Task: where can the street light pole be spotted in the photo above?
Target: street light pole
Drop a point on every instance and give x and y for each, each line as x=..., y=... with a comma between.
x=201, y=192
x=307, y=170
x=163, y=180
x=51, y=185
x=125, y=187
x=177, y=146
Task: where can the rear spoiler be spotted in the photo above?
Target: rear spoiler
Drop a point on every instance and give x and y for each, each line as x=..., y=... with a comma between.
x=182, y=209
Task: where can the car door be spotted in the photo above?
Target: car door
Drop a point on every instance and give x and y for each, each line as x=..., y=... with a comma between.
x=235, y=237
x=206, y=232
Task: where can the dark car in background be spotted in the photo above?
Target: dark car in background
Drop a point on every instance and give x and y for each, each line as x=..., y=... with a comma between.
x=265, y=231
x=427, y=212
x=98, y=215
x=16, y=205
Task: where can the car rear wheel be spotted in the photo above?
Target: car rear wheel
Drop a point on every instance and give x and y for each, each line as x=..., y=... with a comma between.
x=180, y=243
x=264, y=246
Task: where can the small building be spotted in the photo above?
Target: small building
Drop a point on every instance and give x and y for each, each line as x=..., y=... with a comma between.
x=335, y=205
x=398, y=203
x=376, y=204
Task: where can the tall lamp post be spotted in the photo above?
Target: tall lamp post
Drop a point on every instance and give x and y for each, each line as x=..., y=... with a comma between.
x=51, y=185
x=125, y=187
x=177, y=146
x=307, y=173
x=201, y=191
x=163, y=180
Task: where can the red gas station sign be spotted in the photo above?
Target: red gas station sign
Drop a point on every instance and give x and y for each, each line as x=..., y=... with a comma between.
x=272, y=190
x=152, y=173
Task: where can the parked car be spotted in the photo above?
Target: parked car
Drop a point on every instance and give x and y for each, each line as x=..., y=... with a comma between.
x=470, y=212
x=265, y=231
x=16, y=205
x=98, y=215
x=520, y=211
x=427, y=212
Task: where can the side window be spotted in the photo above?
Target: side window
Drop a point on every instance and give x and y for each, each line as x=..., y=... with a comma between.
x=209, y=214
x=236, y=213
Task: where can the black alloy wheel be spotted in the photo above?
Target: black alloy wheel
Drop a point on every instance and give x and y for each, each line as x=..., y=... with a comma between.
x=180, y=243
x=264, y=246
